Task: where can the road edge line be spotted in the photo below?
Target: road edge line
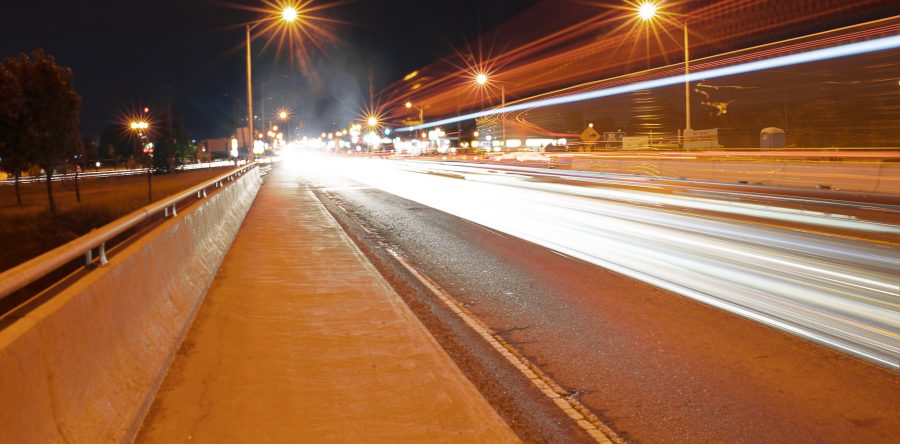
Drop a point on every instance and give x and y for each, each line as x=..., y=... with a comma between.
x=582, y=416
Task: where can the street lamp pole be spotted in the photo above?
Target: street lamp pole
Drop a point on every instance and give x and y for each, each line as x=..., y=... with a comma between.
x=687, y=80
x=249, y=94
x=502, y=117
x=421, y=111
x=138, y=127
x=482, y=79
x=647, y=11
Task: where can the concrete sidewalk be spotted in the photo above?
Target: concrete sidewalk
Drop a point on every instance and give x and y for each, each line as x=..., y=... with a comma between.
x=300, y=339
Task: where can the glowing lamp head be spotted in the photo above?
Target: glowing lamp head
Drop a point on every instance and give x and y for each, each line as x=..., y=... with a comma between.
x=283, y=115
x=481, y=78
x=372, y=121
x=408, y=105
x=647, y=10
x=289, y=14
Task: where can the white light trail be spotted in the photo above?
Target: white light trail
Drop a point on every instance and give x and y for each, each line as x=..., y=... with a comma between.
x=835, y=291
x=851, y=49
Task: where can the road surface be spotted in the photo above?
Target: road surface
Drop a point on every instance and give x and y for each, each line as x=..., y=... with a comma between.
x=666, y=362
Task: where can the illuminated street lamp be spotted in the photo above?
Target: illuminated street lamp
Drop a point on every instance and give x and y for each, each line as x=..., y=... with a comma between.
x=409, y=105
x=140, y=127
x=647, y=11
x=372, y=121
x=481, y=79
x=288, y=15
x=283, y=115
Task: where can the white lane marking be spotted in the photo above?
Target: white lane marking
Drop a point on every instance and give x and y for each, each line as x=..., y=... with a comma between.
x=346, y=188
x=569, y=405
x=483, y=227
x=563, y=255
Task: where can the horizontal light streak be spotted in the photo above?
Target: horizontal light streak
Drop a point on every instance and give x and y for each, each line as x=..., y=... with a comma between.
x=834, y=291
x=851, y=49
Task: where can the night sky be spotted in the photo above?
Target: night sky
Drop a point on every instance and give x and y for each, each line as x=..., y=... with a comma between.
x=126, y=54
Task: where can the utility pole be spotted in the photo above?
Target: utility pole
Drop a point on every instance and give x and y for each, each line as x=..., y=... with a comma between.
x=687, y=81
x=249, y=97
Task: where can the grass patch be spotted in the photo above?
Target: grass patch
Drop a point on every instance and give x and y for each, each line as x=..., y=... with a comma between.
x=29, y=230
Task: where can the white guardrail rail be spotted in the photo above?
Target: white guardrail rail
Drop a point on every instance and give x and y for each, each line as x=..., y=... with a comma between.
x=114, y=173
x=26, y=273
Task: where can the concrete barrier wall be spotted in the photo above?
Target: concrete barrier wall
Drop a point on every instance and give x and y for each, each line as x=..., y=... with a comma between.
x=882, y=177
x=84, y=366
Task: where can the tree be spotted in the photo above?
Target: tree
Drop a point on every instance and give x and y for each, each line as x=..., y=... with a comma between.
x=90, y=150
x=84, y=151
x=14, y=145
x=116, y=143
x=50, y=112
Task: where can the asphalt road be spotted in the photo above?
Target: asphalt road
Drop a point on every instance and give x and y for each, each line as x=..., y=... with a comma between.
x=656, y=366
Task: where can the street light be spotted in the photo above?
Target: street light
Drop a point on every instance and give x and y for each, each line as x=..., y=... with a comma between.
x=647, y=11
x=283, y=115
x=372, y=121
x=482, y=79
x=410, y=105
x=139, y=127
x=289, y=16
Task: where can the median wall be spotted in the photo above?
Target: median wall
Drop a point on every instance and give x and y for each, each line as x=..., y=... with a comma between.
x=874, y=176
x=85, y=365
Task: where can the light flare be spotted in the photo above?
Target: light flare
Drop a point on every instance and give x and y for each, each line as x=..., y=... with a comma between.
x=647, y=10
x=295, y=26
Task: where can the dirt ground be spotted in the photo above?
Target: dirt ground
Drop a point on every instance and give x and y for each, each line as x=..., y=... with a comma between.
x=29, y=230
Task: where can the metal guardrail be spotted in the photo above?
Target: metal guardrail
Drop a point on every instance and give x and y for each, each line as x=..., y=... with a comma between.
x=110, y=173
x=24, y=274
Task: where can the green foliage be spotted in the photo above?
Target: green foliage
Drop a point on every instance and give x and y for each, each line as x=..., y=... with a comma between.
x=89, y=149
x=185, y=152
x=115, y=143
x=44, y=117
x=14, y=157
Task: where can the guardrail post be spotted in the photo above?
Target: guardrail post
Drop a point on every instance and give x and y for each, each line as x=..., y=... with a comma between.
x=174, y=211
x=102, y=253
x=88, y=257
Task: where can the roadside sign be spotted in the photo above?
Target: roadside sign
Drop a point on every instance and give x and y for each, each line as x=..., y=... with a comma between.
x=590, y=135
